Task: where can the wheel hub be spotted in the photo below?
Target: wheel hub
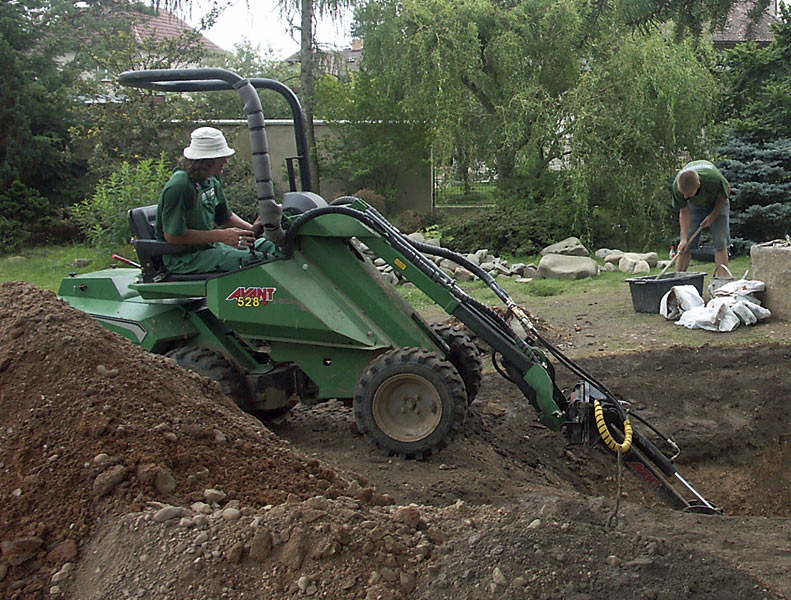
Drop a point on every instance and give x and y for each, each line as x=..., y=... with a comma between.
x=407, y=407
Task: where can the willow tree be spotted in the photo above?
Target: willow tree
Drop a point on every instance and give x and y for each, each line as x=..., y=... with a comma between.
x=638, y=110
x=478, y=70
x=588, y=119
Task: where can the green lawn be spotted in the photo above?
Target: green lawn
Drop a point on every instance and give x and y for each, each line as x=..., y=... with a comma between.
x=46, y=267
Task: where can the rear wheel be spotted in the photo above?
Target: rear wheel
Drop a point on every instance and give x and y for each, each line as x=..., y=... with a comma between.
x=410, y=402
x=465, y=357
x=216, y=367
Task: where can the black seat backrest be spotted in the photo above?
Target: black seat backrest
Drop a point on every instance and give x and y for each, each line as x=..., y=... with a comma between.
x=142, y=221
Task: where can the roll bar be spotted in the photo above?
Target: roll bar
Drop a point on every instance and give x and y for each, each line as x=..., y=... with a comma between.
x=213, y=79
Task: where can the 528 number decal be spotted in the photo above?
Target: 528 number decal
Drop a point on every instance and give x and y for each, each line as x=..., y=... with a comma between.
x=252, y=296
x=248, y=302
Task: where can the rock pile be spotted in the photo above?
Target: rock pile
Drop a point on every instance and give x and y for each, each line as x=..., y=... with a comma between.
x=493, y=265
x=344, y=547
x=567, y=259
x=628, y=262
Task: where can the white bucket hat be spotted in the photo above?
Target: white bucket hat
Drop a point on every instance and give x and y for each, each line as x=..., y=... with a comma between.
x=207, y=142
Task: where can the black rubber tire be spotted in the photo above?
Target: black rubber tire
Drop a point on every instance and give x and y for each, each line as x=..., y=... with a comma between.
x=465, y=357
x=216, y=367
x=412, y=394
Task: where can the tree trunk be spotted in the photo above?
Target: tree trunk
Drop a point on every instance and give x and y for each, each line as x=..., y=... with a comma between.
x=307, y=78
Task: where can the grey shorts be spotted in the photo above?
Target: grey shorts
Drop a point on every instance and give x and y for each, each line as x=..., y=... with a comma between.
x=720, y=230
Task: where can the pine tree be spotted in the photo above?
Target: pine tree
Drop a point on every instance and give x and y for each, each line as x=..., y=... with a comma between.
x=760, y=178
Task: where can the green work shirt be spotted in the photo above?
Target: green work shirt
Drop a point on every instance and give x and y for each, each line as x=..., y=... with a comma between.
x=185, y=204
x=712, y=185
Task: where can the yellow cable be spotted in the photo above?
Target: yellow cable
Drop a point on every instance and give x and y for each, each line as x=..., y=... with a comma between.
x=605, y=433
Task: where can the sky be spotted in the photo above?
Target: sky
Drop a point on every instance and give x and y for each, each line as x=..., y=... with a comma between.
x=260, y=21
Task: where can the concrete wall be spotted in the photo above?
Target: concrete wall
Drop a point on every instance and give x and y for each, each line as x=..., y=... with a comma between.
x=772, y=265
x=414, y=187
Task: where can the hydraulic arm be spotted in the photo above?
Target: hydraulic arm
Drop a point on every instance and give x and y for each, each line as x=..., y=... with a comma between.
x=591, y=414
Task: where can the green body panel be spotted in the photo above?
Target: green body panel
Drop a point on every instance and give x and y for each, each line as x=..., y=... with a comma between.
x=325, y=308
x=107, y=296
x=337, y=369
x=171, y=289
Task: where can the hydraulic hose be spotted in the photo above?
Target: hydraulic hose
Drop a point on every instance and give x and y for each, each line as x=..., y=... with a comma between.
x=604, y=432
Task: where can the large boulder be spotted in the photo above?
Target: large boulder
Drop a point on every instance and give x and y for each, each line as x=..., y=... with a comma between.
x=613, y=257
x=559, y=266
x=569, y=247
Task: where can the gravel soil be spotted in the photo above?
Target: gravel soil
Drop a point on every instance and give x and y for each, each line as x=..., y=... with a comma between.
x=123, y=476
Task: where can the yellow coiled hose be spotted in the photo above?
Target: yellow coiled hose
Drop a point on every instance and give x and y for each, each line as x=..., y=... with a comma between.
x=605, y=433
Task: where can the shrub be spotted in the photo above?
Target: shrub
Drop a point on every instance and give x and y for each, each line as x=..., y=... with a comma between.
x=410, y=221
x=102, y=217
x=507, y=229
x=24, y=215
x=760, y=178
x=741, y=247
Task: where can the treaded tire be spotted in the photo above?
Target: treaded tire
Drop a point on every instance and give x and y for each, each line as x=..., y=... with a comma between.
x=410, y=402
x=216, y=367
x=465, y=357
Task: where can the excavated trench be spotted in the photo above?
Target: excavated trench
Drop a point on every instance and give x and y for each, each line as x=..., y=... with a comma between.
x=727, y=409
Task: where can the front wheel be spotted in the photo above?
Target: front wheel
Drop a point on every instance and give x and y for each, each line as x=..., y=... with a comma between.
x=410, y=402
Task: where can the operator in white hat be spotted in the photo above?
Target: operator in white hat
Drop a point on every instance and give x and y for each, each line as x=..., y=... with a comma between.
x=193, y=211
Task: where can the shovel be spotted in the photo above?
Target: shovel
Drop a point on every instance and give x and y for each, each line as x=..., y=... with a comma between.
x=672, y=260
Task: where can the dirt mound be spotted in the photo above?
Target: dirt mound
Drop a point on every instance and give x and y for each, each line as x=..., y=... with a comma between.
x=94, y=427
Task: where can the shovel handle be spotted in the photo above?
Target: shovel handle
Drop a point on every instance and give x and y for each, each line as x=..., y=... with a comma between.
x=672, y=260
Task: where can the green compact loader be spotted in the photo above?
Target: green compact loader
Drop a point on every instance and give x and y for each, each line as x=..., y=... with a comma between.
x=317, y=321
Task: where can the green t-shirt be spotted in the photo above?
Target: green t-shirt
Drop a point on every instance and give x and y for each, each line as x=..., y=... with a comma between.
x=185, y=204
x=712, y=184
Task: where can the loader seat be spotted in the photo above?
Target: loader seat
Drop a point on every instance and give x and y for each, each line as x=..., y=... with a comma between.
x=142, y=222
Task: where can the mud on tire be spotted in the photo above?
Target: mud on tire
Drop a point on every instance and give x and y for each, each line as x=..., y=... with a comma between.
x=410, y=402
x=465, y=357
x=216, y=367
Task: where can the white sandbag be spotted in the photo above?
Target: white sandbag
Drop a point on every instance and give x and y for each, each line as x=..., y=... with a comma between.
x=740, y=287
x=761, y=313
x=716, y=316
x=678, y=299
x=727, y=320
x=700, y=317
x=745, y=315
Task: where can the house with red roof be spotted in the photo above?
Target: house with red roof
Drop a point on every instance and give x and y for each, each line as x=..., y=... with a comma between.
x=162, y=25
